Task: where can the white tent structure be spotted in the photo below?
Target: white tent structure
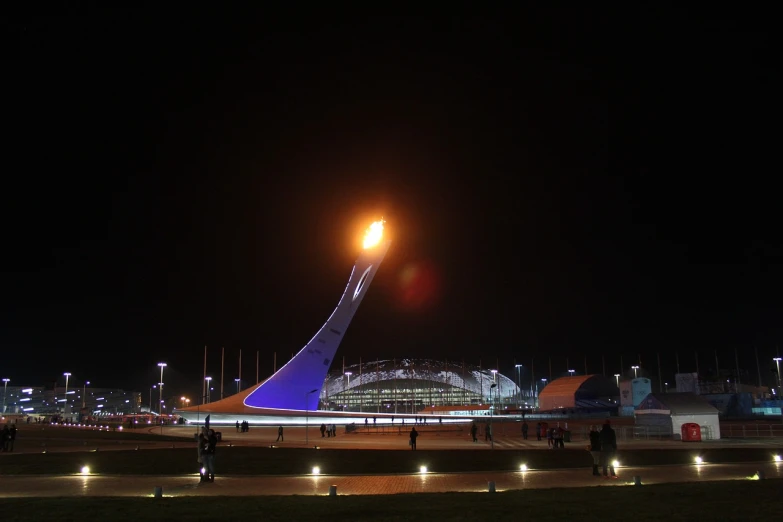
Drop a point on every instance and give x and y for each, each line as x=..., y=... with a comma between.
x=672, y=410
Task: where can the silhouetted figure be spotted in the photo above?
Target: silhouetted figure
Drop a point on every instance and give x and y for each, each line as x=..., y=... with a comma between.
x=474, y=432
x=608, y=441
x=323, y=430
x=524, y=430
x=280, y=434
x=414, y=435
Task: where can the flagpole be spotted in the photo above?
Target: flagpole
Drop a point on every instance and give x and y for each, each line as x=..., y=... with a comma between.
x=257, y=354
x=204, y=380
x=240, y=370
x=222, y=367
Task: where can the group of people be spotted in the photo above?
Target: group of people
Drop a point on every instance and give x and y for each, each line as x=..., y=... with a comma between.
x=330, y=430
x=244, y=427
x=603, y=445
x=8, y=437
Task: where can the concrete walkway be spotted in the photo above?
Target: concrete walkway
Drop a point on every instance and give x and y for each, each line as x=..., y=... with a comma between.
x=175, y=486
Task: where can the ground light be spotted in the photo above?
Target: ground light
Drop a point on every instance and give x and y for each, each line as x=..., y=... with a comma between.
x=85, y=470
x=615, y=463
x=316, y=470
x=423, y=469
x=523, y=467
x=776, y=458
x=698, y=460
x=203, y=470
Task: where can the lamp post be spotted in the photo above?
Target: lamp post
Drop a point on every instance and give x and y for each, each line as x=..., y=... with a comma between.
x=491, y=435
x=348, y=387
x=494, y=380
x=571, y=373
x=5, y=392
x=152, y=388
x=519, y=387
x=84, y=394
x=237, y=381
x=777, y=362
x=65, y=404
x=160, y=389
x=209, y=395
x=617, y=379
x=307, y=415
x=635, y=370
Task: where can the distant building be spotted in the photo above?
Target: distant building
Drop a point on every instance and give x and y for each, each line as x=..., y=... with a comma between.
x=578, y=392
x=672, y=410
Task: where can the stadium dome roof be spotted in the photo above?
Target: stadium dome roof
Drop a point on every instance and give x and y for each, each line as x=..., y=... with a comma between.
x=430, y=372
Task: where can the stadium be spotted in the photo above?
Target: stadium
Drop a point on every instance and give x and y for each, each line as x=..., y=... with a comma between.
x=410, y=385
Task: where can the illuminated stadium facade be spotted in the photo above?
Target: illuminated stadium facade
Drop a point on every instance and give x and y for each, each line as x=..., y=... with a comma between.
x=410, y=385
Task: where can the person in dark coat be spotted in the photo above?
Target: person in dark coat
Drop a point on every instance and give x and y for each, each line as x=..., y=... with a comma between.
x=538, y=431
x=474, y=432
x=323, y=430
x=280, y=434
x=595, y=449
x=608, y=441
x=524, y=430
x=414, y=435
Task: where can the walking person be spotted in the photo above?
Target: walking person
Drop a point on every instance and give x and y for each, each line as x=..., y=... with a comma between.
x=524, y=430
x=608, y=441
x=488, y=432
x=538, y=431
x=237, y=426
x=414, y=435
x=280, y=435
x=474, y=432
x=595, y=449
x=323, y=430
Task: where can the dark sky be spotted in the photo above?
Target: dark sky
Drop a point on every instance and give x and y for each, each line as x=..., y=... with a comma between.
x=560, y=182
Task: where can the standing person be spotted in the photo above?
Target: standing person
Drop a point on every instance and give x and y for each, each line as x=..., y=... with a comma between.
x=474, y=431
x=488, y=432
x=524, y=430
x=237, y=426
x=208, y=456
x=414, y=435
x=538, y=431
x=280, y=435
x=608, y=441
x=323, y=430
x=13, y=437
x=202, y=439
x=550, y=438
x=595, y=448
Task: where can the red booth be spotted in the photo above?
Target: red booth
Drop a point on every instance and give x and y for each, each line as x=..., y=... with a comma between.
x=691, y=432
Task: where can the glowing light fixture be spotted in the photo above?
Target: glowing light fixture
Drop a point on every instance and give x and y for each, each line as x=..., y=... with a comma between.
x=373, y=234
x=698, y=460
x=85, y=470
x=316, y=470
x=523, y=467
x=423, y=469
x=615, y=463
x=776, y=458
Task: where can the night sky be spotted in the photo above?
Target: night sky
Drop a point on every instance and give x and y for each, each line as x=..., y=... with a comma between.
x=556, y=182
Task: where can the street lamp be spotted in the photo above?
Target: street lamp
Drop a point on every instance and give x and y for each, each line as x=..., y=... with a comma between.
x=160, y=390
x=617, y=378
x=347, y=374
x=777, y=362
x=307, y=412
x=572, y=372
x=65, y=404
x=519, y=388
x=491, y=435
x=635, y=369
x=237, y=381
x=84, y=394
x=209, y=395
x=152, y=388
x=5, y=391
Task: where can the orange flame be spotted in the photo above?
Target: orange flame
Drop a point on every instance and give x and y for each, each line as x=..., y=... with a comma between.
x=374, y=234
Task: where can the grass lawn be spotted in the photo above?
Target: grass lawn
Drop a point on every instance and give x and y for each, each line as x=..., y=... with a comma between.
x=723, y=501
x=295, y=461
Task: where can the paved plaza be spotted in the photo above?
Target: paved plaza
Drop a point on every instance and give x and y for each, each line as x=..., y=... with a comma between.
x=116, y=485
